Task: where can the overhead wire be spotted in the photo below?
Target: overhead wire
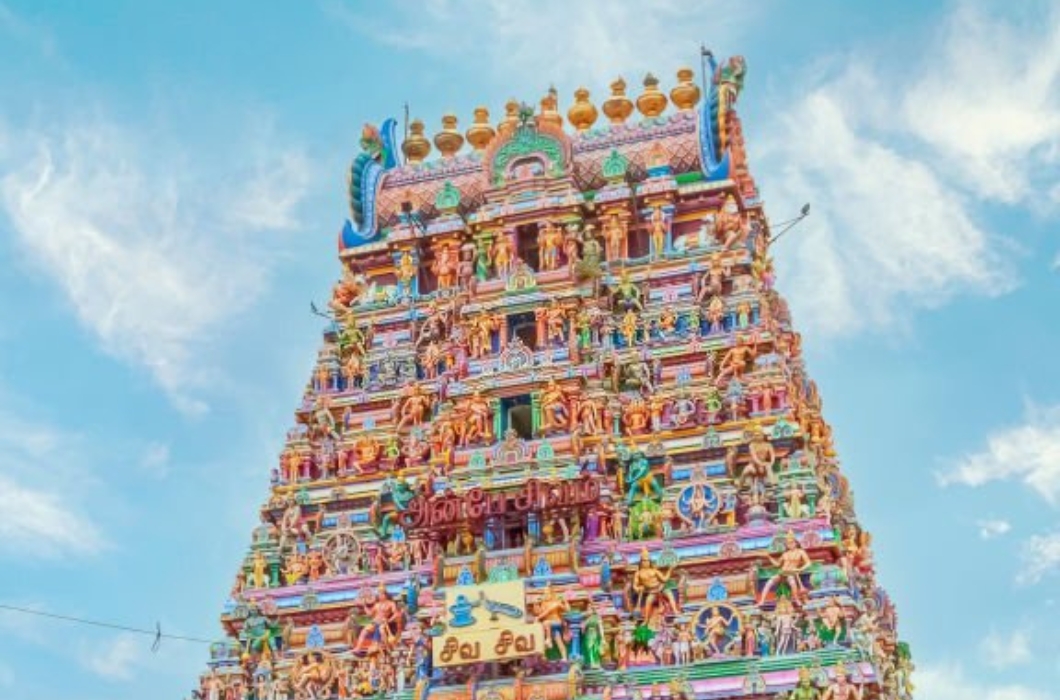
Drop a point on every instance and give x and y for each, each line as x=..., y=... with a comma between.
x=156, y=633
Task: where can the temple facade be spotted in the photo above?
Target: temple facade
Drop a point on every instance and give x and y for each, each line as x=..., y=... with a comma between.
x=560, y=441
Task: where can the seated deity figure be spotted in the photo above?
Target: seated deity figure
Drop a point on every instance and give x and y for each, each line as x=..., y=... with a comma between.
x=841, y=688
x=555, y=414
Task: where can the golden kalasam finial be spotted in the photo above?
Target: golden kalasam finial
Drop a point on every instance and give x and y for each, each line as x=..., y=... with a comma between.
x=582, y=113
x=448, y=141
x=416, y=146
x=685, y=94
x=652, y=102
x=480, y=133
x=549, y=110
x=511, y=117
x=618, y=107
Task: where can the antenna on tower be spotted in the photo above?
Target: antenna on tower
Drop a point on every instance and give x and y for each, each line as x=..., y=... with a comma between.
x=790, y=223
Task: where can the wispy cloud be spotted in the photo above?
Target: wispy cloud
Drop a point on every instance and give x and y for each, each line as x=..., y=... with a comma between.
x=992, y=528
x=532, y=43
x=989, y=102
x=887, y=235
x=895, y=181
x=152, y=254
x=1029, y=452
x=949, y=682
x=39, y=477
x=1006, y=650
x=155, y=460
x=115, y=660
x=1041, y=558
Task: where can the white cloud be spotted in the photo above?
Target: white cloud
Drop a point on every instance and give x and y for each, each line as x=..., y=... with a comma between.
x=1029, y=453
x=41, y=522
x=989, y=102
x=1041, y=557
x=993, y=527
x=887, y=233
x=532, y=43
x=117, y=659
x=39, y=480
x=1002, y=651
x=151, y=254
x=949, y=682
x=155, y=460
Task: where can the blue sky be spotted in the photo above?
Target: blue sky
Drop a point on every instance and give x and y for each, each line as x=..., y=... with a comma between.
x=171, y=183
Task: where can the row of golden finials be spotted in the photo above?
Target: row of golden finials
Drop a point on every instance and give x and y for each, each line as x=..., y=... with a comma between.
x=582, y=115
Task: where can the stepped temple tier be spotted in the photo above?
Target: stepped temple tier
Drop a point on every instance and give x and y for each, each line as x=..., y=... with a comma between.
x=560, y=441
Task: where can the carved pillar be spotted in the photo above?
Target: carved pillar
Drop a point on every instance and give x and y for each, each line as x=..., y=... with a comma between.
x=574, y=620
x=483, y=241
x=535, y=412
x=541, y=331
x=274, y=573
x=498, y=424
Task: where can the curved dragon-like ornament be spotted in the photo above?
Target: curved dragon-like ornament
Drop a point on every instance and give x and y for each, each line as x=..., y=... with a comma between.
x=725, y=88
x=378, y=154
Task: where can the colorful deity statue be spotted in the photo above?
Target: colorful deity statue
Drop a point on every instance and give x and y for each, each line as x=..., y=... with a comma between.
x=652, y=587
x=841, y=688
x=555, y=411
x=792, y=563
x=627, y=295
x=444, y=267
x=550, y=238
x=614, y=230
x=730, y=229
x=550, y=611
x=806, y=689
x=407, y=273
x=659, y=232
x=555, y=323
x=593, y=636
x=411, y=408
x=478, y=419
x=502, y=256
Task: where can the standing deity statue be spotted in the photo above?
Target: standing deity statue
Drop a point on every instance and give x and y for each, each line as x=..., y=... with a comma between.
x=614, y=231
x=593, y=637
x=444, y=267
x=549, y=239
x=793, y=562
x=550, y=611
x=407, y=273
x=659, y=229
x=652, y=587
x=503, y=256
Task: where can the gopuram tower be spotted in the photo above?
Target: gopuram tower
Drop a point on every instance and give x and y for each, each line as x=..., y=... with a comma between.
x=560, y=441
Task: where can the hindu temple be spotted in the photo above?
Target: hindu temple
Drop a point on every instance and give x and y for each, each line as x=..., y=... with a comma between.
x=560, y=441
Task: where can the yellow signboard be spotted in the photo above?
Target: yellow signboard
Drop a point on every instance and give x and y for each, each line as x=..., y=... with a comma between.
x=486, y=622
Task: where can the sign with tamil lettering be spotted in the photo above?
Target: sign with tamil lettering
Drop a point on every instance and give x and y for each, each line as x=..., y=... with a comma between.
x=486, y=622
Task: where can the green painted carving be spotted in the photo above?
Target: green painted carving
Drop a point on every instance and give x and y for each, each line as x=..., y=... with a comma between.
x=527, y=140
x=615, y=166
x=448, y=197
